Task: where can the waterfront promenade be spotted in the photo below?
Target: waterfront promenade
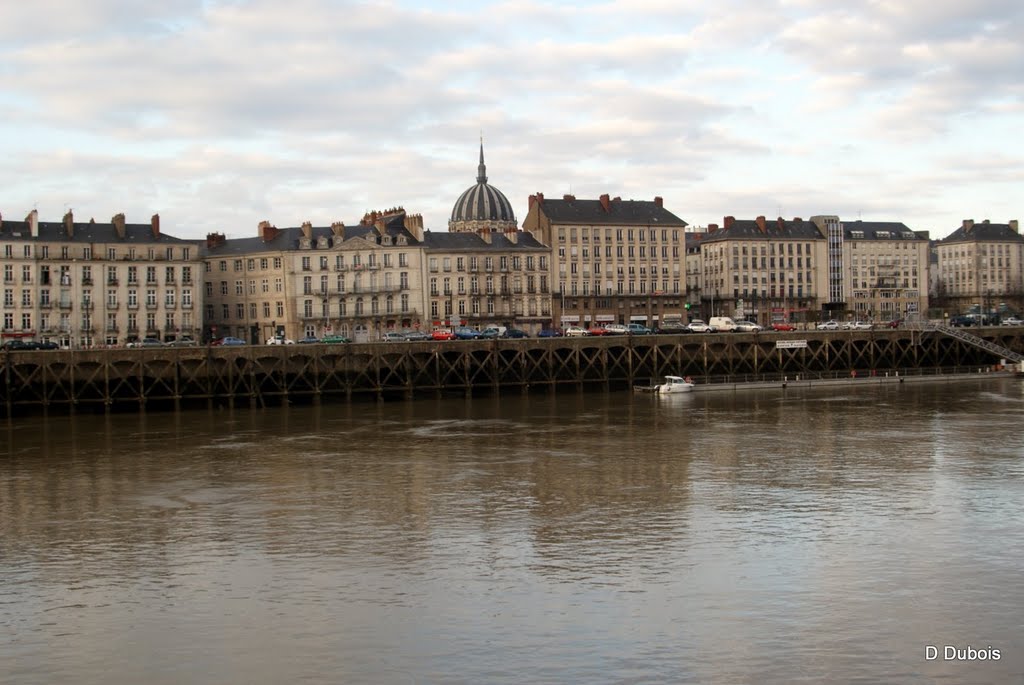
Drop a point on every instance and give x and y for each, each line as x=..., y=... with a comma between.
x=260, y=375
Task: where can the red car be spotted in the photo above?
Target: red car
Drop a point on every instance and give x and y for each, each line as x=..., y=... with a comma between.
x=441, y=334
x=597, y=330
x=783, y=326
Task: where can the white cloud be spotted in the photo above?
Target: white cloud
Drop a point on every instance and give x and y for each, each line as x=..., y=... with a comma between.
x=222, y=114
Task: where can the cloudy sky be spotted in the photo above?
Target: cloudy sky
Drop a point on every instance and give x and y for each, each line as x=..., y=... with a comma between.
x=219, y=114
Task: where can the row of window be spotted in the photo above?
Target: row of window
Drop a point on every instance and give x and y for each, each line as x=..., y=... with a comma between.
x=621, y=251
x=503, y=262
x=87, y=323
x=33, y=251
x=62, y=274
x=170, y=298
x=584, y=234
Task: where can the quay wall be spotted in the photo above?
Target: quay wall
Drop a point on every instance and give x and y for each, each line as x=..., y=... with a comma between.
x=171, y=378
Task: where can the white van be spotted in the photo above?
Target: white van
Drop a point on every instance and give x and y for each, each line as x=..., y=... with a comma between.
x=722, y=324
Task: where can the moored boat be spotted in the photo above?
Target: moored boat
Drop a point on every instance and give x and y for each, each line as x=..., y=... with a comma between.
x=671, y=386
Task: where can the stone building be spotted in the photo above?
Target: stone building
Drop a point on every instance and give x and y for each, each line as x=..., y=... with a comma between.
x=886, y=270
x=92, y=284
x=981, y=266
x=484, y=271
x=613, y=260
x=764, y=270
x=356, y=281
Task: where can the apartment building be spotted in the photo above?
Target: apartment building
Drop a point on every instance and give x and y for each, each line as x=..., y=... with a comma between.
x=357, y=281
x=886, y=270
x=92, y=284
x=981, y=265
x=763, y=270
x=613, y=260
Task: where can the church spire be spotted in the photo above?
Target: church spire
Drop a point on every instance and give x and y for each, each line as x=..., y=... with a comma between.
x=481, y=170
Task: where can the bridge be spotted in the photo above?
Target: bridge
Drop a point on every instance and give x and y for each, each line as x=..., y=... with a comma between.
x=257, y=376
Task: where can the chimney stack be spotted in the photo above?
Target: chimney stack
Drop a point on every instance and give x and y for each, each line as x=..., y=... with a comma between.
x=215, y=240
x=781, y=223
x=568, y=198
x=659, y=201
x=512, y=234
x=968, y=225
x=267, y=231
x=307, y=230
x=485, y=234
x=154, y=225
x=338, y=229
x=118, y=221
x=712, y=228
x=69, y=224
x=761, y=224
x=1013, y=226
x=414, y=224
x=606, y=203
x=33, y=223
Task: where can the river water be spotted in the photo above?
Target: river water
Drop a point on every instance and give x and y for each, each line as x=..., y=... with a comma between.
x=778, y=536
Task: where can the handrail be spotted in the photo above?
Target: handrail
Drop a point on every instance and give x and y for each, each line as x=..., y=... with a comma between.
x=976, y=341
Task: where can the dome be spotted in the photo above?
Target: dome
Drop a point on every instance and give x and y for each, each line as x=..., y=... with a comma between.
x=482, y=205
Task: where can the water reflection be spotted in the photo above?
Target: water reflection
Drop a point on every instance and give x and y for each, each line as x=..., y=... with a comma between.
x=748, y=537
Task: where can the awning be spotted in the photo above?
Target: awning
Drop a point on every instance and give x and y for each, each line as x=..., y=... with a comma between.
x=605, y=317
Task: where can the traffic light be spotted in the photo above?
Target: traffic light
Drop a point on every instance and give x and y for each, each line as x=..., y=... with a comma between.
x=687, y=306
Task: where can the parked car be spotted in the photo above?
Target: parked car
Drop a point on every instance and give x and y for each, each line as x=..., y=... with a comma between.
x=280, y=340
x=229, y=340
x=859, y=326
x=394, y=336
x=334, y=339
x=182, y=342
x=829, y=325
x=616, y=329
x=963, y=321
x=895, y=323
x=417, y=336
x=671, y=329
x=576, y=332
x=147, y=342
x=1012, y=321
x=442, y=334
x=515, y=333
x=490, y=333
x=549, y=333
x=782, y=326
x=748, y=327
x=722, y=324
x=699, y=326
x=463, y=333
x=308, y=340
x=597, y=329
x=19, y=344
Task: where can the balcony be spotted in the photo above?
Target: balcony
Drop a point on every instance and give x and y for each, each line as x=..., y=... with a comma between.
x=151, y=306
x=132, y=306
x=340, y=267
x=87, y=305
x=186, y=305
x=86, y=328
x=86, y=281
x=45, y=305
x=111, y=329
x=64, y=304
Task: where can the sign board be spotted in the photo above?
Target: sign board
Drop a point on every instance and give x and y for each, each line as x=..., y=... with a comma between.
x=790, y=344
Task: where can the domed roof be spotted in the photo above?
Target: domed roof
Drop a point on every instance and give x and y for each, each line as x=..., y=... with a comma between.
x=482, y=203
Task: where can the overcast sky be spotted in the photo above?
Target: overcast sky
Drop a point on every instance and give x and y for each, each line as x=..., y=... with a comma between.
x=219, y=114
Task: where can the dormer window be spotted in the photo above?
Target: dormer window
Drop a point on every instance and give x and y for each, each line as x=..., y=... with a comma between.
x=385, y=240
x=402, y=240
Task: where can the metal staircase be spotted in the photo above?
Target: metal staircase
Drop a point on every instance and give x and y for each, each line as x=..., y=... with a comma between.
x=960, y=334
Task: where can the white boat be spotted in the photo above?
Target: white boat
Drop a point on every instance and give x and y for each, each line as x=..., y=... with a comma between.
x=671, y=386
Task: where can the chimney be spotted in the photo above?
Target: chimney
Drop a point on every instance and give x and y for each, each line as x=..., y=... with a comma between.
x=712, y=228
x=1013, y=226
x=154, y=225
x=540, y=198
x=216, y=239
x=267, y=232
x=118, y=221
x=728, y=222
x=605, y=203
x=968, y=225
x=512, y=234
x=659, y=201
x=307, y=230
x=797, y=220
x=568, y=198
x=485, y=234
x=338, y=229
x=781, y=223
x=380, y=226
x=33, y=223
x=761, y=224
x=69, y=224
x=414, y=224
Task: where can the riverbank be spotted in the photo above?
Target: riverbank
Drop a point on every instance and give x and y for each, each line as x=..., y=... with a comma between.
x=878, y=378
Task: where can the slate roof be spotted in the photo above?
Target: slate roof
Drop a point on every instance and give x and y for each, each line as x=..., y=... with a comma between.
x=89, y=232
x=465, y=241
x=775, y=229
x=870, y=230
x=288, y=239
x=983, y=231
x=620, y=213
